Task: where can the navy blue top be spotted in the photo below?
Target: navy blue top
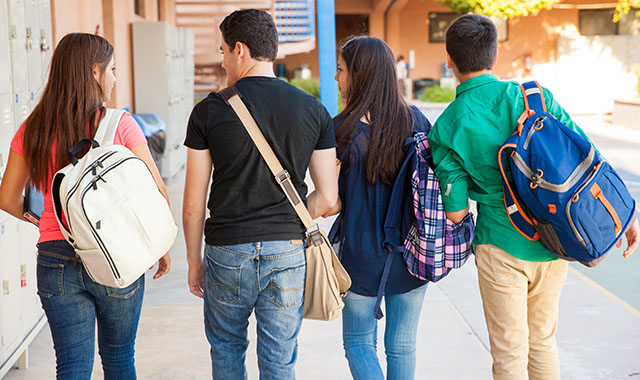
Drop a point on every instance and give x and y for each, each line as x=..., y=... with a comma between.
x=360, y=226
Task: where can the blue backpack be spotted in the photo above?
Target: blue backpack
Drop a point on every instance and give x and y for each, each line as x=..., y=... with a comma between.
x=576, y=204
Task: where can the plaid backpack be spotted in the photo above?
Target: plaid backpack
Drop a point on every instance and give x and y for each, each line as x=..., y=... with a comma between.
x=416, y=225
x=434, y=244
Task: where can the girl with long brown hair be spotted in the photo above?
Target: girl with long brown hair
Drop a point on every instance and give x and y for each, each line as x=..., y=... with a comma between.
x=371, y=134
x=81, y=79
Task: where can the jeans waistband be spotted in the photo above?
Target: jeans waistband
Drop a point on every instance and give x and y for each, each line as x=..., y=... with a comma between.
x=59, y=249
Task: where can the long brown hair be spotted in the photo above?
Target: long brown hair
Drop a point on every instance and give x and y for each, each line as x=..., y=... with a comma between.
x=68, y=109
x=374, y=90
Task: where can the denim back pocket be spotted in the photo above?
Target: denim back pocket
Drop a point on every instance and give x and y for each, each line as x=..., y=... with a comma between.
x=50, y=277
x=286, y=286
x=125, y=293
x=222, y=282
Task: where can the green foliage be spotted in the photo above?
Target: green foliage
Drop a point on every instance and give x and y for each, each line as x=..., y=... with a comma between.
x=500, y=8
x=310, y=86
x=514, y=8
x=437, y=94
x=624, y=6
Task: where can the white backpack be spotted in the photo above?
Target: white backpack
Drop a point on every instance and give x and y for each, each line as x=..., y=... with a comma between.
x=118, y=221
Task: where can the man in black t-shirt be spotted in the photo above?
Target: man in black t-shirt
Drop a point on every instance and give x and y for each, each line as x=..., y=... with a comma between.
x=254, y=253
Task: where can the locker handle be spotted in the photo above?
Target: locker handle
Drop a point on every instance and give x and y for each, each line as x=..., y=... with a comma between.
x=43, y=44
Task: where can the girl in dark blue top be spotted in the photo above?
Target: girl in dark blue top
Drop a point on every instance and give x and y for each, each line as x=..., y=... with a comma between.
x=370, y=133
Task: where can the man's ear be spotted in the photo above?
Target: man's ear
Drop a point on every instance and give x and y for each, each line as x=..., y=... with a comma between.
x=239, y=49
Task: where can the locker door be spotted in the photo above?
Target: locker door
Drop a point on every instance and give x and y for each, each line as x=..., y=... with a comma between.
x=46, y=38
x=6, y=130
x=32, y=311
x=18, y=43
x=5, y=51
x=34, y=58
x=189, y=70
x=21, y=107
x=10, y=291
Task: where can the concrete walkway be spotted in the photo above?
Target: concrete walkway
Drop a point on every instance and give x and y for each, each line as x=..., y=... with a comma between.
x=598, y=337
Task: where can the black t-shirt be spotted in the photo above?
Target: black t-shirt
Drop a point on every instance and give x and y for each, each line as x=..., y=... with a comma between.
x=246, y=203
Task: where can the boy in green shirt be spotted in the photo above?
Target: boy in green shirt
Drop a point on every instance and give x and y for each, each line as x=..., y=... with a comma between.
x=520, y=280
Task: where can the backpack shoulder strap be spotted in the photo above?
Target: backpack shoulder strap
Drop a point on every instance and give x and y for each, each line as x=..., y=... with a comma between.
x=231, y=96
x=57, y=206
x=533, y=97
x=516, y=214
x=106, y=132
x=533, y=102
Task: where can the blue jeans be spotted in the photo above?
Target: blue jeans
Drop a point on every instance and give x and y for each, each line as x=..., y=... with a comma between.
x=359, y=332
x=73, y=303
x=265, y=276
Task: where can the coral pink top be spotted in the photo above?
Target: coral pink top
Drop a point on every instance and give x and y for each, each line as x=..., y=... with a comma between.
x=128, y=134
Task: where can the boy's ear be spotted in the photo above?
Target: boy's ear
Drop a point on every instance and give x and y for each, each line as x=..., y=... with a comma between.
x=450, y=63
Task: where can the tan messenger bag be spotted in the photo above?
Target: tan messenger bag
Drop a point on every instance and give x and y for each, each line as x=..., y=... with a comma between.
x=326, y=280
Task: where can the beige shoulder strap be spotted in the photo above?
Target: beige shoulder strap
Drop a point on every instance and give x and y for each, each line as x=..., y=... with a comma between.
x=107, y=128
x=232, y=97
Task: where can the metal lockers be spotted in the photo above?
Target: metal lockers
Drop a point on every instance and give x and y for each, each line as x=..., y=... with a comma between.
x=25, y=53
x=163, y=68
x=5, y=51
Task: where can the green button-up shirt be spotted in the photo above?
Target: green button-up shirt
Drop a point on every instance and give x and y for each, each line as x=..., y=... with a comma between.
x=465, y=142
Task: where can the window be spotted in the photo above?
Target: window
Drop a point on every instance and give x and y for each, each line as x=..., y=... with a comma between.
x=598, y=22
x=439, y=22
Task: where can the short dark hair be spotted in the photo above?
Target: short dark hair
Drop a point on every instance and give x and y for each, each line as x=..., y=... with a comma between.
x=254, y=28
x=472, y=43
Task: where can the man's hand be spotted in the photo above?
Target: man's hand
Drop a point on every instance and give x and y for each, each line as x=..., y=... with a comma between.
x=164, y=264
x=633, y=238
x=196, y=286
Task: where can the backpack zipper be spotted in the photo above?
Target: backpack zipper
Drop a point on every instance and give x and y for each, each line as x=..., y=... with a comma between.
x=536, y=123
x=563, y=187
x=570, y=202
x=101, y=244
x=77, y=184
x=114, y=270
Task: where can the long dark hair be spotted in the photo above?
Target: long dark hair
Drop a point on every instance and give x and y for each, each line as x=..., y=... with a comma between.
x=68, y=109
x=374, y=90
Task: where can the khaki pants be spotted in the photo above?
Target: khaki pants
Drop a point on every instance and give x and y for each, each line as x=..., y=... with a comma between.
x=520, y=300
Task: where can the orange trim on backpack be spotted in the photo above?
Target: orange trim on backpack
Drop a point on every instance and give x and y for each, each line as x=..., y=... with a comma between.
x=597, y=194
x=515, y=200
x=523, y=117
x=526, y=101
x=544, y=106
